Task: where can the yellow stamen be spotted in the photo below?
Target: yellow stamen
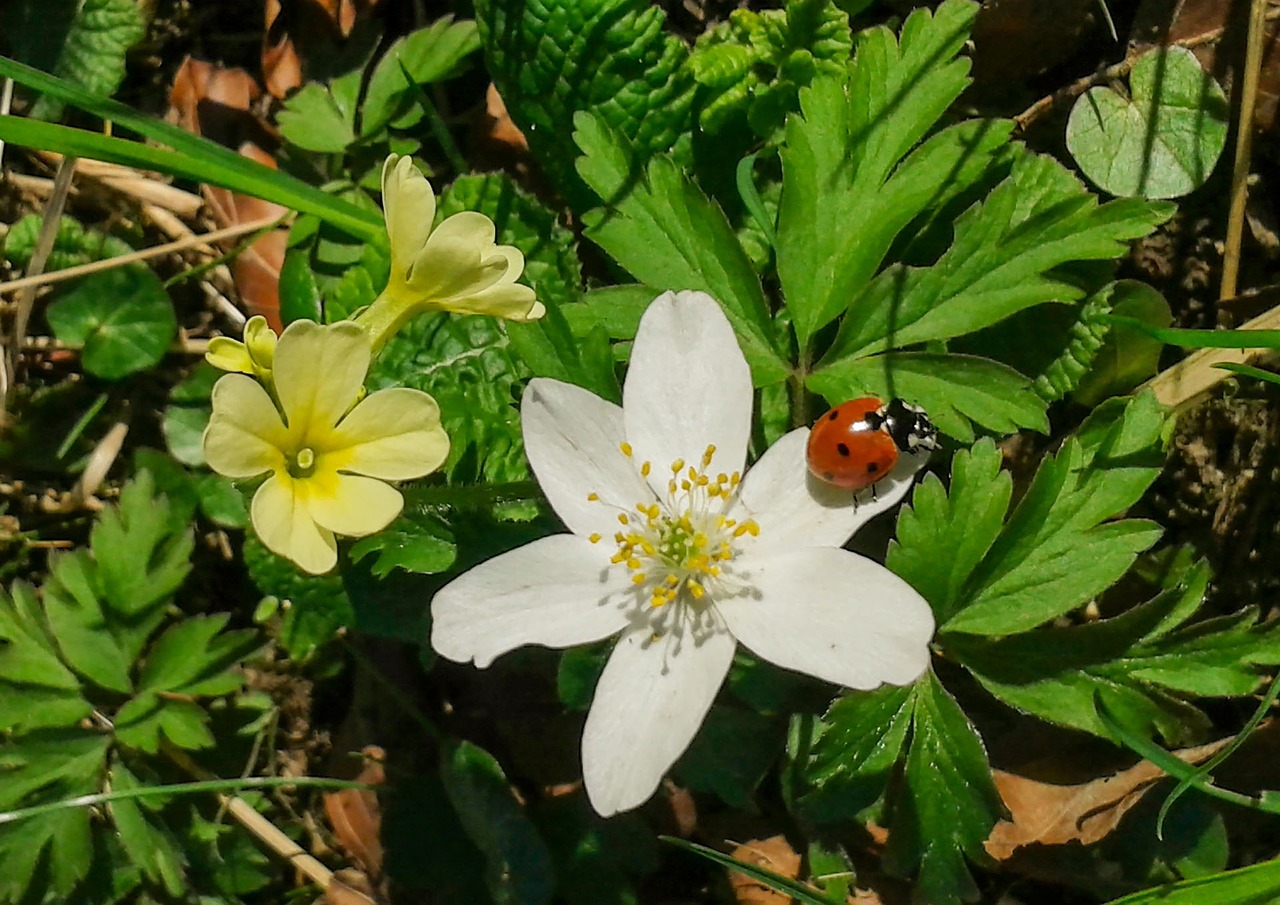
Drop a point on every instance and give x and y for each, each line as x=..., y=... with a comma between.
x=626, y=449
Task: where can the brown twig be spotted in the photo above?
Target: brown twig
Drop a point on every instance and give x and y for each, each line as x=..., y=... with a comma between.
x=1244, y=143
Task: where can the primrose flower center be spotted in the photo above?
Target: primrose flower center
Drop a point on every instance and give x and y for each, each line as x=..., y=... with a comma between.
x=301, y=464
x=685, y=541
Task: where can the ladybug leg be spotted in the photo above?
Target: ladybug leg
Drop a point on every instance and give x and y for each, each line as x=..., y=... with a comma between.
x=874, y=494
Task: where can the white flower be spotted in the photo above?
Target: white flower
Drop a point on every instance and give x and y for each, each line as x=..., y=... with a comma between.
x=672, y=549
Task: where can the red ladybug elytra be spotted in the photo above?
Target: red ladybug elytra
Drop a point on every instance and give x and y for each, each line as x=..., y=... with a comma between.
x=857, y=443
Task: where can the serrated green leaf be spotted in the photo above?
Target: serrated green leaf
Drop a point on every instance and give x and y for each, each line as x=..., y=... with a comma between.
x=425, y=56
x=617, y=309
x=41, y=691
x=83, y=41
x=518, y=865
x=416, y=542
x=861, y=739
x=312, y=120
x=661, y=227
x=142, y=721
x=847, y=192
x=196, y=657
x=48, y=766
x=122, y=318
x=1057, y=550
x=146, y=841
x=1002, y=260
x=949, y=802
x=964, y=519
x=1164, y=140
x=953, y=389
x=142, y=559
x=611, y=58
x=83, y=631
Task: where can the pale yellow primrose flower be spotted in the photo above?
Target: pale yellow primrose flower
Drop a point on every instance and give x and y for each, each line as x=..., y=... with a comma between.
x=454, y=267
x=253, y=356
x=327, y=453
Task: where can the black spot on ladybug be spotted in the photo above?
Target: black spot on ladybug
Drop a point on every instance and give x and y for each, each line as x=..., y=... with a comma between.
x=843, y=449
x=873, y=467
x=833, y=415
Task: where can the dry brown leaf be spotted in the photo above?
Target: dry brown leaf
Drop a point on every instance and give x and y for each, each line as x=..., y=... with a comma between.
x=1049, y=814
x=499, y=127
x=356, y=818
x=296, y=29
x=348, y=887
x=775, y=854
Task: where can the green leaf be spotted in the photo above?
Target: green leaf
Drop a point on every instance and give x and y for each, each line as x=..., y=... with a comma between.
x=1001, y=261
x=1257, y=884
x=142, y=559
x=196, y=657
x=1057, y=550
x=611, y=58
x=617, y=309
x=953, y=389
x=146, y=841
x=948, y=804
x=750, y=67
x=964, y=520
x=578, y=673
x=43, y=767
x=661, y=228
x=427, y=55
x=187, y=414
x=142, y=721
x=122, y=317
x=518, y=865
x=41, y=691
x=1161, y=143
x=316, y=607
x=72, y=244
x=848, y=767
x=731, y=754
x=416, y=542
x=793, y=889
x=220, y=501
x=1143, y=662
x=312, y=120
x=847, y=192
x=299, y=292
x=84, y=633
x=82, y=41
x=1128, y=356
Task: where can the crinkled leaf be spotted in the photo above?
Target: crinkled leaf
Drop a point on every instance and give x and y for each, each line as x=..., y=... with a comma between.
x=1161, y=142
x=317, y=606
x=847, y=191
x=43, y=767
x=416, y=542
x=40, y=691
x=660, y=226
x=424, y=56
x=954, y=389
x=122, y=317
x=611, y=58
x=1001, y=261
x=72, y=244
x=1128, y=355
x=949, y=801
x=82, y=41
x=518, y=865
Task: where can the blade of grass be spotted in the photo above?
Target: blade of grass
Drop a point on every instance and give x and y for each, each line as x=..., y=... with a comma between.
x=1257, y=884
x=1205, y=339
x=786, y=885
x=1251, y=371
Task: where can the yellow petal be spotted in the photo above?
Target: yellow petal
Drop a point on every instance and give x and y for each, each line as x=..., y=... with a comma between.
x=511, y=301
x=228, y=354
x=459, y=259
x=260, y=340
x=284, y=524
x=319, y=371
x=393, y=434
x=352, y=505
x=245, y=432
x=409, y=206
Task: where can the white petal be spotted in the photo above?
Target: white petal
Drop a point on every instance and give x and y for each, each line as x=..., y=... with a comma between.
x=795, y=510
x=688, y=387
x=835, y=615
x=651, y=699
x=557, y=591
x=573, y=439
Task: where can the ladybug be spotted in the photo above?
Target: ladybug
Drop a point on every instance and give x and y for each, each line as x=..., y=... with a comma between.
x=857, y=443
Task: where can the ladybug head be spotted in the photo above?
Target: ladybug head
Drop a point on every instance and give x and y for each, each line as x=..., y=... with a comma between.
x=910, y=427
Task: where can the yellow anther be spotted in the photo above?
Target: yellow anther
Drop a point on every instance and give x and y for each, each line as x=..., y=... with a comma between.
x=622, y=517
x=644, y=469
x=633, y=564
x=673, y=580
x=648, y=548
x=693, y=473
x=707, y=454
x=695, y=589
x=626, y=448
x=595, y=538
x=722, y=478
x=637, y=579
x=593, y=497
x=677, y=466
x=685, y=485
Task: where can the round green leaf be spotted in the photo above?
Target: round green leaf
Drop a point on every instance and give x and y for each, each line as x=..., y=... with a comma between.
x=1162, y=143
x=122, y=318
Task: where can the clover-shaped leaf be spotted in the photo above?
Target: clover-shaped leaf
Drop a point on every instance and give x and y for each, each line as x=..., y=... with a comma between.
x=1161, y=143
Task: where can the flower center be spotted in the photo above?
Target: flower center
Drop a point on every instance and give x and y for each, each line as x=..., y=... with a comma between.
x=302, y=464
x=684, y=541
